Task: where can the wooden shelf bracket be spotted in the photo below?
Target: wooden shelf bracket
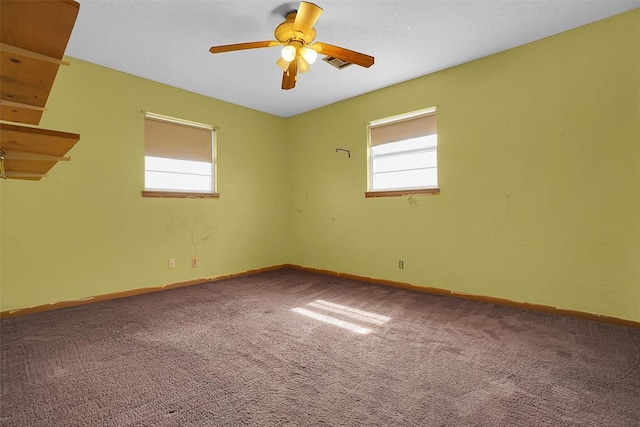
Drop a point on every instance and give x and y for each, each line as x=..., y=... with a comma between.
x=19, y=155
x=4, y=47
x=21, y=105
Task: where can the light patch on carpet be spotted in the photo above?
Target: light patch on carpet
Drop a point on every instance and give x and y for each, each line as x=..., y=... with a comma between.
x=355, y=310
x=353, y=313
x=332, y=320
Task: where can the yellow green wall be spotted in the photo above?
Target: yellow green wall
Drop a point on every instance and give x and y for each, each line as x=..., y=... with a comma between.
x=539, y=159
x=86, y=230
x=538, y=168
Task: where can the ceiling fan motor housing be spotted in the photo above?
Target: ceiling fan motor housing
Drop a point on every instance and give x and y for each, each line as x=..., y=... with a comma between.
x=285, y=33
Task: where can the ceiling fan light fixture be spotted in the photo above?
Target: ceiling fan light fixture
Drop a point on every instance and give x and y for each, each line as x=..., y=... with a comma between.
x=297, y=34
x=282, y=64
x=303, y=65
x=308, y=54
x=288, y=53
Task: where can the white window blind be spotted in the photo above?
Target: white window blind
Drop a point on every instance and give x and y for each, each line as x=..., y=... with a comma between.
x=178, y=155
x=403, y=152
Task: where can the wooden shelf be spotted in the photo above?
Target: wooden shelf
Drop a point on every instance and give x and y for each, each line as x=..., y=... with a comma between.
x=42, y=28
x=32, y=151
x=33, y=38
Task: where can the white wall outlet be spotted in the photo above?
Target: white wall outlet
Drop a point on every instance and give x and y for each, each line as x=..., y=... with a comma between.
x=172, y=263
x=194, y=262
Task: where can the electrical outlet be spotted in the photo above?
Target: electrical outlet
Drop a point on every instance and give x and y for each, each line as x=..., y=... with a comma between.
x=172, y=263
x=194, y=262
x=401, y=264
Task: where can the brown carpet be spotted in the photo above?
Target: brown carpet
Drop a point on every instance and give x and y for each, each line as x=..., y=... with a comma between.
x=245, y=352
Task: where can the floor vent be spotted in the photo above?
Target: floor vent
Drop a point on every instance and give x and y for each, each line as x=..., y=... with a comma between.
x=338, y=63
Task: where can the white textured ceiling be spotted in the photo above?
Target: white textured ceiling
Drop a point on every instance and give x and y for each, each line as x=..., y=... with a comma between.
x=168, y=41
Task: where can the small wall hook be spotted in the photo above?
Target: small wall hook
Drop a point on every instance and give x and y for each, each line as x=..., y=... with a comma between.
x=345, y=150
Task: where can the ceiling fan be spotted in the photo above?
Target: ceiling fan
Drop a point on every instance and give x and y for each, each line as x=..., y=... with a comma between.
x=296, y=34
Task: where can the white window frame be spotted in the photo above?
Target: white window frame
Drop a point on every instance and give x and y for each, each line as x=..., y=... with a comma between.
x=418, y=189
x=175, y=192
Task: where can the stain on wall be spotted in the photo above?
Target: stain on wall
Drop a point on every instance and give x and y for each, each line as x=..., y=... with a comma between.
x=196, y=228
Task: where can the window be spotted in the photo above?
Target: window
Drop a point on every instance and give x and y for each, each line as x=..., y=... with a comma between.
x=403, y=154
x=178, y=158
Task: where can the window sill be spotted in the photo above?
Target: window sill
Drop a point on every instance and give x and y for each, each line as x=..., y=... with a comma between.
x=179, y=195
x=395, y=193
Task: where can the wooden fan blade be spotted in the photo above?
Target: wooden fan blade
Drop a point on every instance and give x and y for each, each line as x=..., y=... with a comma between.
x=306, y=17
x=243, y=46
x=345, y=54
x=289, y=76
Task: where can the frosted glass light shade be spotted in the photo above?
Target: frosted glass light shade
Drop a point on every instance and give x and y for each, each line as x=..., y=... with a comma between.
x=282, y=64
x=303, y=66
x=309, y=55
x=288, y=53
